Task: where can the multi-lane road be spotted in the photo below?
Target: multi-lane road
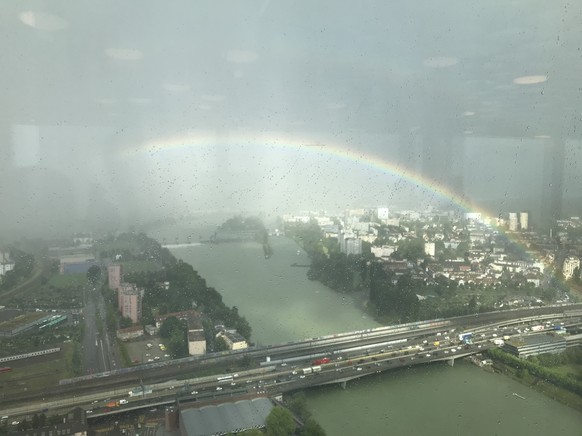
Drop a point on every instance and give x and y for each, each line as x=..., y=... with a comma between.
x=99, y=352
x=350, y=355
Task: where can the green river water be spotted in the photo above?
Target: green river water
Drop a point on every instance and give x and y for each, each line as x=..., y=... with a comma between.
x=282, y=305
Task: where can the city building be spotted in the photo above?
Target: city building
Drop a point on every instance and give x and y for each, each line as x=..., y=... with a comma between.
x=115, y=276
x=128, y=333
x=190, y=316
x=130, y=301
x=196, y=342
x=429, y=248
x=225, y=418
x=382, y=213
x=524, y=346
x=570, y=264
x=523, y=220
x=196, y=337
x=5, y=267
x=349, y=243
x=513, y=221
x=77, y=267
x=473, y=216
x=74, y=423
x=384, y=250
x=234, y=340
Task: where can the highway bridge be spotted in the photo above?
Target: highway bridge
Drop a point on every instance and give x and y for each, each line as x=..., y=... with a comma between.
x=282, y=368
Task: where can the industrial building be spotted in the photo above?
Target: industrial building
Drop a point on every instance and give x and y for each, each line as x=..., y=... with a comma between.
x=525, y=346
x=225, y=418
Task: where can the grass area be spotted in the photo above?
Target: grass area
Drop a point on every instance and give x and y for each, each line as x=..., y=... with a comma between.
x=575, y=288
x=59, y=291
x=33, y=377
x=137, y=266
x=570, y=369
x=67, y=280
x=552, y=391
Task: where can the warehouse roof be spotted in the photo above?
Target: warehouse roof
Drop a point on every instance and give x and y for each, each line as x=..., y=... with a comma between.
x=226, y=417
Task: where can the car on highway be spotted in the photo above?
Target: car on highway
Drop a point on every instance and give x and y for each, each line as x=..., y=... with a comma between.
x=123, y=401
x=218, y=388
x=194, y=393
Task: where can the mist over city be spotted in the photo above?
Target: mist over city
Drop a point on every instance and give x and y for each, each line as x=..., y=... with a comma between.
x=290, y=218
x=114, y=114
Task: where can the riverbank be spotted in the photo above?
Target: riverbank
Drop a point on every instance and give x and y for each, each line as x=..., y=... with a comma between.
x=282, y=305
x=540, y=385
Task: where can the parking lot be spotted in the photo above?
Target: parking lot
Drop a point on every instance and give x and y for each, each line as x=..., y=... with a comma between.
x=141, y=352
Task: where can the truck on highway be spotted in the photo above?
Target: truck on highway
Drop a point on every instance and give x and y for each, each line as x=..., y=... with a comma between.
x=320, y=361
x=316, y=369
x=537, y=328
x=467, y=338
x=139, y=392
x=112, y=404
x=307, y=371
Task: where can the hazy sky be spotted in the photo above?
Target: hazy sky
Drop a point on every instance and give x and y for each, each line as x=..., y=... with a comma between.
x=138, y=109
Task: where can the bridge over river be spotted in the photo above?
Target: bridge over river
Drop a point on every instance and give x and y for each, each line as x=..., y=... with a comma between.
x=282, y=368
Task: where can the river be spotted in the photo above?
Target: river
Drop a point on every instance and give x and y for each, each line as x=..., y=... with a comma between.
x=281, y=305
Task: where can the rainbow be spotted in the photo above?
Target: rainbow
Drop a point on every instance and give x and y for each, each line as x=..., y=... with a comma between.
x=203, y=140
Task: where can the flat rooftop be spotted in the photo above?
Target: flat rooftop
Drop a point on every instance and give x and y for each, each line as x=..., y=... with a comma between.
x=226, y=417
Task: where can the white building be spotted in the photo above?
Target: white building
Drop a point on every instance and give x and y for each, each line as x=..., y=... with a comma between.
x=349, y=243
x=384, y=250
x=5, y=267
x=570, y=264
x=382, y=213
x=429, y=248
x=513, y=221
x=473, y=216
x=196, y=342
x=234, y=340
x=523, y=220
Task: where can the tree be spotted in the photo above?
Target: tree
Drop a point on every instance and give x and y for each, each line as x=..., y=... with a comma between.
x=280, y=422
x=410, y=249
x=169, y=325
x=175, y=333
x=312, y=428
x=298, y=405
x=125, y=322
x=220, y=344
x=93, y=274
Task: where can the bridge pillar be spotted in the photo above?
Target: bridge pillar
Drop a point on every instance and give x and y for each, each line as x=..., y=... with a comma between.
x=451, y=361
x=343, y=384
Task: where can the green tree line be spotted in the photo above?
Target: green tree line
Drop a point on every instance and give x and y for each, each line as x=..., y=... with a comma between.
x=564, y=381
